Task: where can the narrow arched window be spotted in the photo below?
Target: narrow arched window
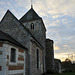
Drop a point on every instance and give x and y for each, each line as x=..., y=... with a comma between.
x=32, y=26
x=13, y=55
x=37, y=58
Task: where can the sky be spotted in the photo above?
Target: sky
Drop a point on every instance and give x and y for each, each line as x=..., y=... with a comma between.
x=58, y=17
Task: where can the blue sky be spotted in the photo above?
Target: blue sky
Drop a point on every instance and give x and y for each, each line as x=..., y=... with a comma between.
x=58, y=17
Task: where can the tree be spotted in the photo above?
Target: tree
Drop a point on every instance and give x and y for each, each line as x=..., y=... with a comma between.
x=68, y=61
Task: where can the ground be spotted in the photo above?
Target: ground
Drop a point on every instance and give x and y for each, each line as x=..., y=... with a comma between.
x=63, y=74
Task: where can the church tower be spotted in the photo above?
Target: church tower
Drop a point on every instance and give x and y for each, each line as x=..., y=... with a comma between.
x=35, y=25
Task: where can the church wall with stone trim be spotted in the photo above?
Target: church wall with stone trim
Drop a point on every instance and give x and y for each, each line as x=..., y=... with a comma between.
x=39, y=33
x=11, y=26
x=33, y=59
x=8, y=67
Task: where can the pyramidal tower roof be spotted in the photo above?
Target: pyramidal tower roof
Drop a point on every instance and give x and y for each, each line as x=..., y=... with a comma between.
x=30, y=15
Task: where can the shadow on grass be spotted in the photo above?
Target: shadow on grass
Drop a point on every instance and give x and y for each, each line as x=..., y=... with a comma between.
x=62, y=74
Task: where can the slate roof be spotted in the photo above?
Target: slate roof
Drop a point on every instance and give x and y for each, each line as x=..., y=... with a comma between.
x=8, y=11
x=6, y=37
x=30, y=15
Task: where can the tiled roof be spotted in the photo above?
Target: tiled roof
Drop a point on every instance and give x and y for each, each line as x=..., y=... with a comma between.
x=30, y=15
x=6, y=37
x=6, y=15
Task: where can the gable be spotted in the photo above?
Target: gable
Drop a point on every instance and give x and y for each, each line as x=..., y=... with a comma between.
x=29, y=16
x=10, y=25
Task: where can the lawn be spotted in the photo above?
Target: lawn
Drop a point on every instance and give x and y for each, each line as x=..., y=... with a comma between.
x=63, y=74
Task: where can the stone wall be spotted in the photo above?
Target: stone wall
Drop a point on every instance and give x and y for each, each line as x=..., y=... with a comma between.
x=27, y=66
x=39, y=33
x=2, y=60
x=39, y=30
x=49, y=56
x=8, y=67
x=33, y=59
x=57, y=66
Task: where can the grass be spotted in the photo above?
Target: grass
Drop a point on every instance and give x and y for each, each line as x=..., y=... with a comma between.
x=63, y=74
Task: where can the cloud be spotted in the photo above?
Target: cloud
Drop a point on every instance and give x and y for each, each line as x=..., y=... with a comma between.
x=65, y=46
x=23, y=3
x=63, y=56
x=55, y=7
x=56, y=48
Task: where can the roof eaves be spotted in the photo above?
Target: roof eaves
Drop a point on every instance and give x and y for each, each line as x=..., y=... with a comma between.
x=4, y=40
x=6, y=37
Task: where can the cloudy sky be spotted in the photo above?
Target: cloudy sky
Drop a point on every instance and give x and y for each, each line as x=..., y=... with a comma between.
x=58, y=17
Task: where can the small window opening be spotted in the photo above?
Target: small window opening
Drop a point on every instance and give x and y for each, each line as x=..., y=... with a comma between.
x=13, y=55
x=32, y=26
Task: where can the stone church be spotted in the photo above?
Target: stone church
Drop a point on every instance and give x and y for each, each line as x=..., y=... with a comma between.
x=23, y=45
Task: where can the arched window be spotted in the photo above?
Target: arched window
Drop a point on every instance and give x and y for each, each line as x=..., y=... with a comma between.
x=13, y=55
x=32, y=26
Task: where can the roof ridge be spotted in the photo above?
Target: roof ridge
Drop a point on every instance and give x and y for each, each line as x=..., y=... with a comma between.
x=30, y=15
x=5, y=15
